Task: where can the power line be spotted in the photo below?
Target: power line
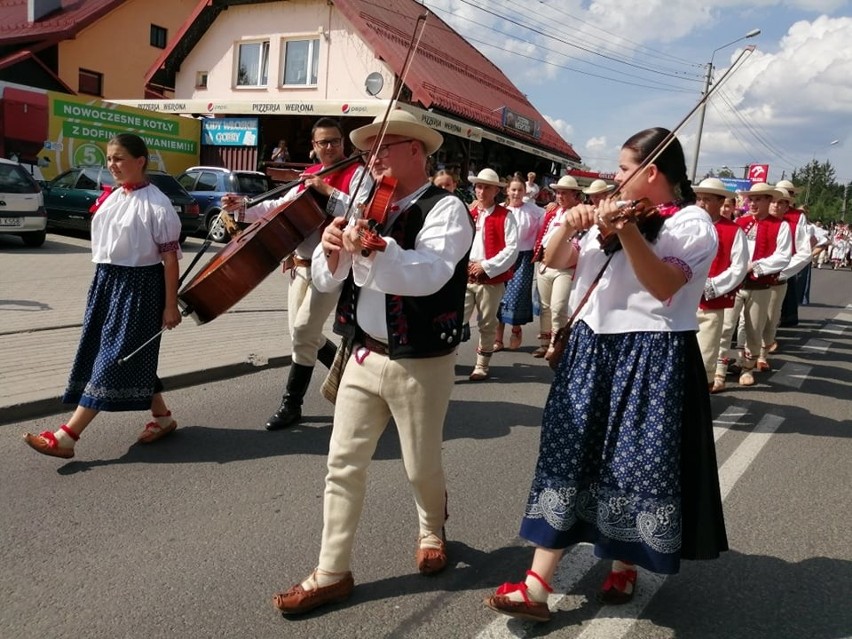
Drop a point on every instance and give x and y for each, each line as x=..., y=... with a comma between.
x=660, y=86
x=566, y=42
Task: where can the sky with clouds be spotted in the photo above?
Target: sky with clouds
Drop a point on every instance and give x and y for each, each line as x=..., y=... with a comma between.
x=599, y=71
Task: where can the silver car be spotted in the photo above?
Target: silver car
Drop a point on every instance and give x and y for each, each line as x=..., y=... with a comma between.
x=21, y=204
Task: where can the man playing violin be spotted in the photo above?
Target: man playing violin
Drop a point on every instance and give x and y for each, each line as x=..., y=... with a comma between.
x=307, y=308
x=401, y=305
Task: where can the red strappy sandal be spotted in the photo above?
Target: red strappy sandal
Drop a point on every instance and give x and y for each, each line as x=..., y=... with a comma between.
x=526, y=609
x=153, y=431
x=46, y=444
x=614, y=590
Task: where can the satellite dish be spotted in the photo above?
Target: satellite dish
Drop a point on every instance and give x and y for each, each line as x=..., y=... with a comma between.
x=374, y=83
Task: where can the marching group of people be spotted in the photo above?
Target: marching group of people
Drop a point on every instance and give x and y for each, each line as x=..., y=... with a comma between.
x=653, y=300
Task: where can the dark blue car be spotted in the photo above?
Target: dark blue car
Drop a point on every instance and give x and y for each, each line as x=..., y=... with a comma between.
x=207, y=184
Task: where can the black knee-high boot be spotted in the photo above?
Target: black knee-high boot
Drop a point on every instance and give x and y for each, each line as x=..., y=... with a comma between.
x=290, y=411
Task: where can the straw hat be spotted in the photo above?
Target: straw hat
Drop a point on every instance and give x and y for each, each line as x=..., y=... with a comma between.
x=566, y=183
x=784, y=195
x=786, y=184
x=488, y=177
x=401, y=123
x=761, y=188
x=713, y=186
x=598, y=186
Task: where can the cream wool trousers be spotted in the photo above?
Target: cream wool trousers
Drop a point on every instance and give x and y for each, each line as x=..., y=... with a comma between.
x=307, y=311
x=416, y=393
x=554, y=289
x=710, y=324
x=486, y=299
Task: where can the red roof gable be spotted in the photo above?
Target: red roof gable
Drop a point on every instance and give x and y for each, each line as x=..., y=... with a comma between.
x=68, y=21
x=448, y=73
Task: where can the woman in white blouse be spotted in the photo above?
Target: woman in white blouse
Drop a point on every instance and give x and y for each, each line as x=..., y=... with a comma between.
x=516, y=308
x=626, y=460
x=135, y=233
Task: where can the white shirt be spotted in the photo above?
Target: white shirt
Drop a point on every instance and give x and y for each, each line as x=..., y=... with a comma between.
x=132, y=228
x=620, y=304
x=733, y=276
x=532, y=190
x=338, y=203
x=802, y=241
x=528, y=217
x=505, y=258
x=446, y=236
x=819, y=234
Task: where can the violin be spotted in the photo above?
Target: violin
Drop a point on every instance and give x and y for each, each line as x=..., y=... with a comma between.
x=375, y=211
x=643, y=212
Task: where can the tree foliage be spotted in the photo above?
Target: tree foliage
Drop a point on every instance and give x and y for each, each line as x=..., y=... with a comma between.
x=818, y=189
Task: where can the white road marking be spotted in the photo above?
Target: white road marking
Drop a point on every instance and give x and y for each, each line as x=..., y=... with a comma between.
x=613, y=622
x=728, y=418
x=818, y=345
x=791, y=374
x=833, y=329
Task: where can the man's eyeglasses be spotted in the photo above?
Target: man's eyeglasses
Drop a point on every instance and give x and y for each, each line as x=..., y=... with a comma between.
x=382, y=151
x=326, y=144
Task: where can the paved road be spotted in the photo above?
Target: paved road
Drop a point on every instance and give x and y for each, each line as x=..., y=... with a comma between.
x=191, y=536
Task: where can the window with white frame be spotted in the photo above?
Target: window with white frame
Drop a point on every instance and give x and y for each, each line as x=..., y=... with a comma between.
x=301, y=62
x=252, y=64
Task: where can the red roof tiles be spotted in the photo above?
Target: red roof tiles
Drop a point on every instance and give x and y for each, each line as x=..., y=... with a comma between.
x=448, y=73
x=70, y=19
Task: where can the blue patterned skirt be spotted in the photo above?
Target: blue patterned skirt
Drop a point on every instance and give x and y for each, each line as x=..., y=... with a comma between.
x=516, y=307
x=627, y=459
x=124, y=308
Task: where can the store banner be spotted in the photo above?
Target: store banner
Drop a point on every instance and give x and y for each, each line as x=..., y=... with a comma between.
x=229, y=131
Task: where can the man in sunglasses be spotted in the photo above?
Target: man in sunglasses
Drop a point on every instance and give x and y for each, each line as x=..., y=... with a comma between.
x=403, y=288
x=307, y=308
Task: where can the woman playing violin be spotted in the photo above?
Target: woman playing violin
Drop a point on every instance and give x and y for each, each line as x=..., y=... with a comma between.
x=626, y=459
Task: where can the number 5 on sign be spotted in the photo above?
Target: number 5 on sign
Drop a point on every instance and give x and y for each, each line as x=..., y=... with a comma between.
x=89, y=155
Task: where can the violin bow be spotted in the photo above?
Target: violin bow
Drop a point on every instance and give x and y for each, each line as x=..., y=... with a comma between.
x=666, y=141
x=419, y=29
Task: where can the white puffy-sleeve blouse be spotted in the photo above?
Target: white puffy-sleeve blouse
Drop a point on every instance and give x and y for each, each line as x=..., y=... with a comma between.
x=135, y=227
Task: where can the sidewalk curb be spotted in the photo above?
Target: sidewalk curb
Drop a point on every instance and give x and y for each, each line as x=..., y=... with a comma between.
x=53, y=405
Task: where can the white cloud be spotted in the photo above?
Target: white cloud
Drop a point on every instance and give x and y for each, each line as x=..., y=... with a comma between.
x=562, y=127
x=794, y=101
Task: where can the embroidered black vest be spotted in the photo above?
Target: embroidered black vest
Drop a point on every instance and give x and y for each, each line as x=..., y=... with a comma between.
x=426, y=326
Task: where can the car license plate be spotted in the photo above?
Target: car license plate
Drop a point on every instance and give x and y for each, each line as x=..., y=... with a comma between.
x=10, y=221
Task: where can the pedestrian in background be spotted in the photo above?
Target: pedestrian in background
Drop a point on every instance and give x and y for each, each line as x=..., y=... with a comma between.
x=135, y=245
x=627, y=458
x=280, y=152
x=494, y=251
x=516, y=307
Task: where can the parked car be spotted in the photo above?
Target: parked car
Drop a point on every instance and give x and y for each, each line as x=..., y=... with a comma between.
x=69, y=196
x=21, y=204
x=207, y=184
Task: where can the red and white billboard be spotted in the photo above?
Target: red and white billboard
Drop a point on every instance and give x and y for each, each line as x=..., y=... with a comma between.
x=758, y=172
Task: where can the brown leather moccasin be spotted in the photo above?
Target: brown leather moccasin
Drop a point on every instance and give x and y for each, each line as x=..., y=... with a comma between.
x=297, y=600
x=530, y=610
x=431, y=560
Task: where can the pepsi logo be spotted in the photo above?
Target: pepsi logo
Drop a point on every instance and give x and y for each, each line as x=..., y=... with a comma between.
x=209, y=106
x=345, y=108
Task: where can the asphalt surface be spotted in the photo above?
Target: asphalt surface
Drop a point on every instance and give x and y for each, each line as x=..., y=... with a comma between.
x=191, y=536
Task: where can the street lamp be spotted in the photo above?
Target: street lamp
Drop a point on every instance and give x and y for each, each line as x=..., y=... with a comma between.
x=812, y=169
x=708, y=79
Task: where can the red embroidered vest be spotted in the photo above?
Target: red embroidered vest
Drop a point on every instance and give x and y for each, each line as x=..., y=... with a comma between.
x=494, y=238
x=339, y=180
x=727, y=231
x=765, y=243
x=538, y=252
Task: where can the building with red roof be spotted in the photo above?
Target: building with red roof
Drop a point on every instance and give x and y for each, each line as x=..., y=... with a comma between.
x=306, y=58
